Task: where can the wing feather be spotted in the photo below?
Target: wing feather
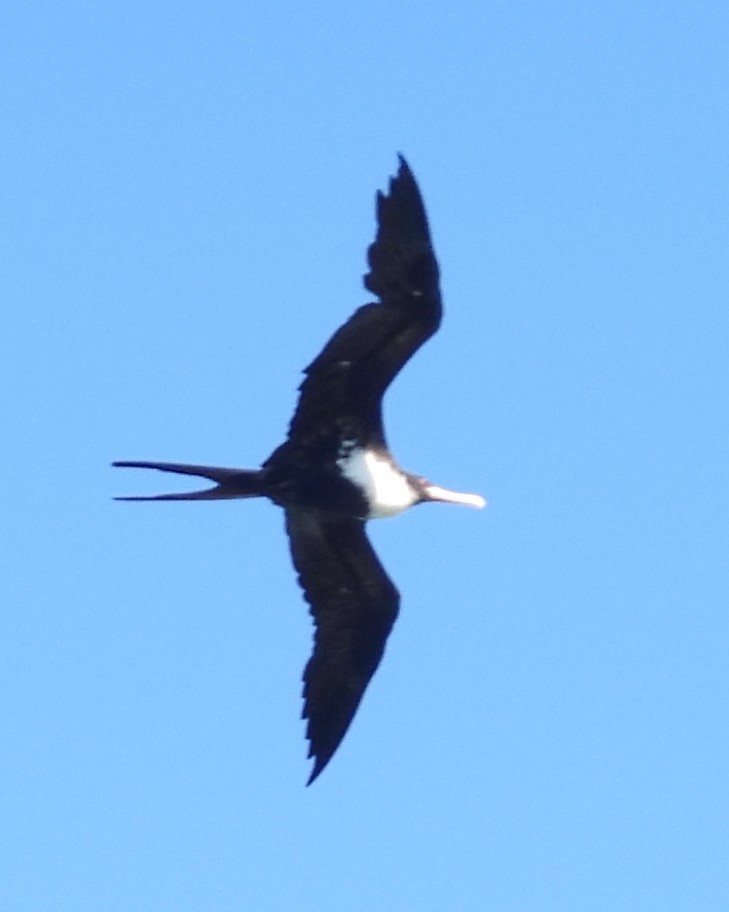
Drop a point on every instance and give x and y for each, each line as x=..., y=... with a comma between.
x=344, y=385
x=354, y=605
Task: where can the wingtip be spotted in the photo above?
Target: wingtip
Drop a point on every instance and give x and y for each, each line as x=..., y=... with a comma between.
x=403, y=166
x=311, y=779
x=318, y=768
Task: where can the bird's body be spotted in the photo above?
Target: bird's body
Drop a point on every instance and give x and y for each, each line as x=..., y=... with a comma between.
x=334, y=472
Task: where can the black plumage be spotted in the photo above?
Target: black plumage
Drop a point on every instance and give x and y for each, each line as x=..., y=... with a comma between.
x=334, y=472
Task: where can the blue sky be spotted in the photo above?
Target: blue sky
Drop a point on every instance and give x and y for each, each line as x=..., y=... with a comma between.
x=187, y=196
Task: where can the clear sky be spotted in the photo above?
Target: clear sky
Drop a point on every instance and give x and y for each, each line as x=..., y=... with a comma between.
x=187, y=194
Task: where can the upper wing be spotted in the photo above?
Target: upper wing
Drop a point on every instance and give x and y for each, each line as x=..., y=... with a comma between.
x=354, y=605
x=344, y=385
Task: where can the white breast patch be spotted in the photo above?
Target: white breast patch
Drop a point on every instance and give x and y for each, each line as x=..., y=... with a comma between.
x=386, y=489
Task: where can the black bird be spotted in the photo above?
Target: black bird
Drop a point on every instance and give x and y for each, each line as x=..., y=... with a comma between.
x=334, y=471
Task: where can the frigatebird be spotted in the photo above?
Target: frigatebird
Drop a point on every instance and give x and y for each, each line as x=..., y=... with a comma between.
x=334, y=472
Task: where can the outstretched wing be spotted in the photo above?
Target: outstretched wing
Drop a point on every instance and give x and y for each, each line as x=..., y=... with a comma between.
x=344, y=385
x=354, y=605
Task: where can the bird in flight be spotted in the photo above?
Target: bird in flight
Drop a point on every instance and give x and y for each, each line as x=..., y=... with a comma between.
x=334, y=471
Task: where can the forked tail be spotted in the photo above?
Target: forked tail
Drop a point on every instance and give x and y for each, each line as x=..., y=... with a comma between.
x=229, y=483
